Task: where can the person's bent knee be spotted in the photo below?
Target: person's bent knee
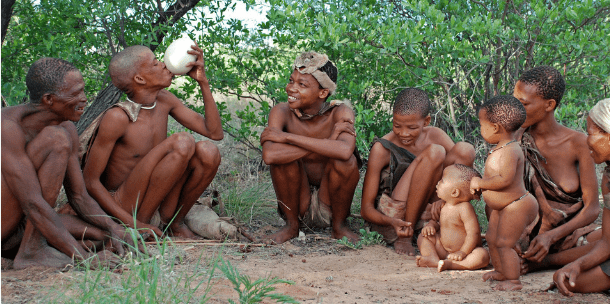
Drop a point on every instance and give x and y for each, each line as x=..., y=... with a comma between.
x=345, y=168
x=183, y=144
x=503, y=242
x=208, y=154
x=57, y=139
x=435, y=153
x=464, y=153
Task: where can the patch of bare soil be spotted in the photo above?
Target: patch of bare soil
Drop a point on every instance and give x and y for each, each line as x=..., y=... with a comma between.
x=325, y=272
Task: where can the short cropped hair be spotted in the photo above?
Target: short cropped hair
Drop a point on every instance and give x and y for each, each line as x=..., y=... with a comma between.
x=412, y=101
x=124, y=66
x=466, y=173
x=506, y=111
x=549, y=82
x=47, y=75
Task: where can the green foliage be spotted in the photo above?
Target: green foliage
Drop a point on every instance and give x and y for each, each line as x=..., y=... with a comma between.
x=460, y=52
x=151, y=278
x=253, y=291
x=368, y=238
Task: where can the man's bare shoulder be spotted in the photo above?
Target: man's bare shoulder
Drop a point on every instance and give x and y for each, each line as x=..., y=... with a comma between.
x=343, y=111
x=279, y=113
x=166, y=96
x=115, y=119
x=436, y=135
x=379, y=153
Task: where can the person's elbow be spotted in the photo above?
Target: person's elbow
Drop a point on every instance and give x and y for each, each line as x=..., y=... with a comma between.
x=218, y=135
x=269, y=157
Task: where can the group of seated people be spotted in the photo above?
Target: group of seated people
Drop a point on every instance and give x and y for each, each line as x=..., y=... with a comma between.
x=539, y=182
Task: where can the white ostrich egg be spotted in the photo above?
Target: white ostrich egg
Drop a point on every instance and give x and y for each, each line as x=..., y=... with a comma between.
x=176, y=56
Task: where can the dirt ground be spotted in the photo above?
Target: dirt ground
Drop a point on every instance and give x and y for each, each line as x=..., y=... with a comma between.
x=326, y=272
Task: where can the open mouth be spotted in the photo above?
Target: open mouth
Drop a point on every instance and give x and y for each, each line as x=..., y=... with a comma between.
x=79, y=109
x=292, y=98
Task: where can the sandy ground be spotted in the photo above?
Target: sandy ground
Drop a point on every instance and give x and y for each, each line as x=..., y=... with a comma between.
x=326, y=272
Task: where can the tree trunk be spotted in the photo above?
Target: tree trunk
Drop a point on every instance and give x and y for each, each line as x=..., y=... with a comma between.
x=7, y=12
x=104, y=100
x=111, y=95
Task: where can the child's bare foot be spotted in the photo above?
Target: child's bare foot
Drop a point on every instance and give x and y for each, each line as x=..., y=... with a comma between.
x=284, y=234
x=508, y=285
x=403, y=246
x=339, y=233
x=426, y=261
x=493, y=275
x=442, y=266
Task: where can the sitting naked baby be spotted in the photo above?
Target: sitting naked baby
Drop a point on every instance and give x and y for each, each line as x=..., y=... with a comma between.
x=452, y=239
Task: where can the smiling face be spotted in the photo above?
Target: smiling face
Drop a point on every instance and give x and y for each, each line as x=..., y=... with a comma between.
x=598, y=142
x=409, y=127
x=304, y=93
x=536, y=107
x=69, y=100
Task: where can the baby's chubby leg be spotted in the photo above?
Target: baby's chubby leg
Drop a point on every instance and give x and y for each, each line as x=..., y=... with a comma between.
x=513, y=219
x=491, y=237
x=431, y=250
x=477, y=259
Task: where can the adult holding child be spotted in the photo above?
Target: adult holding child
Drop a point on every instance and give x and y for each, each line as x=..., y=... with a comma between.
x=39, y=154
x=559, y=169
x=591, y=271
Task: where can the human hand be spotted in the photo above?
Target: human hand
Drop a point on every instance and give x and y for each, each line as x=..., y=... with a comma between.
x=198, y=70
x=475, y=185
x=428, y=230
x=145, y=230
x=539, y=247
x=567, y=274
x=344, y=125
x=457, y=256
x=120, y=238
x=273, y=135
x=403, y=229
x=101, y=259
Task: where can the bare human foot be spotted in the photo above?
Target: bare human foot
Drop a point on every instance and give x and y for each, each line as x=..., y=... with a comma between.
x=182, y=231
x=494, y=276
x=284, y=234
x=404, y=246
x=339, y=233
x=426, y=261
x=42, y=256
x=508, y=285
x=442, y=266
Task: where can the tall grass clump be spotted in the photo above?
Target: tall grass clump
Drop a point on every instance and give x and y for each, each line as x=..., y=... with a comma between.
x=253, y=291
x=143, y=278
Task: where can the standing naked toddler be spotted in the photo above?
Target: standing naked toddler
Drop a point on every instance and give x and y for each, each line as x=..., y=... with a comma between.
x=452, y=239
x=513, y=208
